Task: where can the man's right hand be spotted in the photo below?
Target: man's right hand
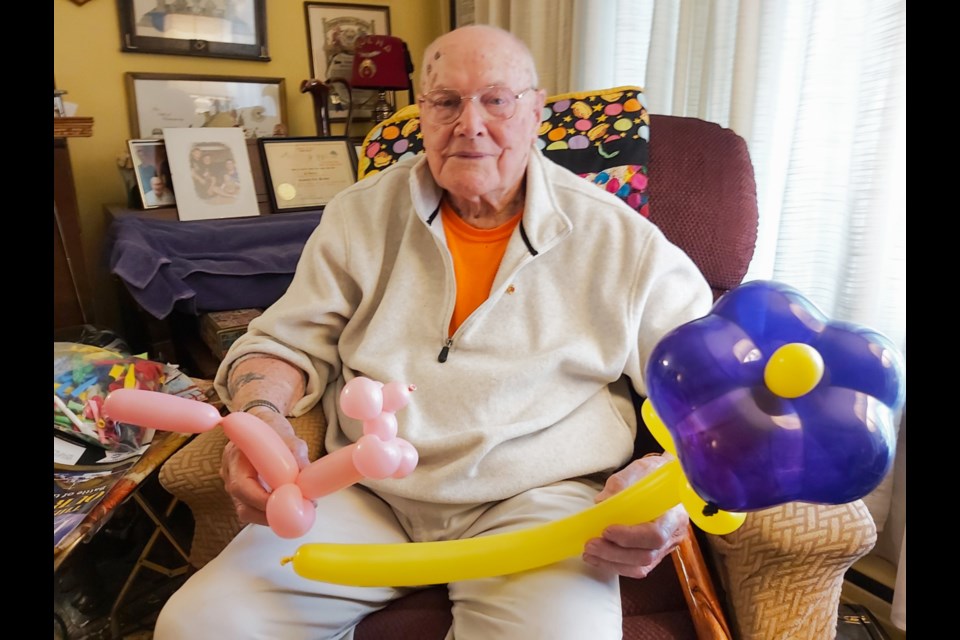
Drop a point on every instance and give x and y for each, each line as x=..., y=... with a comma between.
x=240, y=478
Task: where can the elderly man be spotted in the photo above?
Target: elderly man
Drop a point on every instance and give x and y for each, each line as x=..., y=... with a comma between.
x=159, y=195
x=521, y=300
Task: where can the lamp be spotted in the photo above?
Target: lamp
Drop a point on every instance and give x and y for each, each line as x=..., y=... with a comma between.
x=382, y=63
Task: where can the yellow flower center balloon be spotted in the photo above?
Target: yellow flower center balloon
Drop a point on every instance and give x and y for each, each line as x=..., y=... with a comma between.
x=793, y=370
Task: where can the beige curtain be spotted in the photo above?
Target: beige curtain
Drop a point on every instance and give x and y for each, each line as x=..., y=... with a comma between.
x=818, y=90
x=545, y=25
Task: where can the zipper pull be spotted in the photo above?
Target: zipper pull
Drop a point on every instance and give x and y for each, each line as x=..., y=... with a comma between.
x=445, y=351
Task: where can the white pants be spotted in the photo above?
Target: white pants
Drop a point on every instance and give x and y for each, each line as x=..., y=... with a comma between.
x=246, y=593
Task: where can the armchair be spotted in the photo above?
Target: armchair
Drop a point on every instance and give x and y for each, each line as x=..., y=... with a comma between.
x=780, y=574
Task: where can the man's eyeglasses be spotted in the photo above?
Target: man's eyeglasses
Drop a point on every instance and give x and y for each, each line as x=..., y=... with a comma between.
x=445, y=105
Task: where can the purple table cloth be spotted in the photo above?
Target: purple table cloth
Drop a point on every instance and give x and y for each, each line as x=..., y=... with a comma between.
x=207, y=265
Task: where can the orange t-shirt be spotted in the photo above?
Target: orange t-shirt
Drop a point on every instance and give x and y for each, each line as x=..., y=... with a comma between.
x=476, y=258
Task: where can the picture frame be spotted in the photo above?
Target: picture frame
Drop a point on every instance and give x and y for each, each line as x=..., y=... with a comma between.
x=204, y=28
x=152, y=171
x=211, y=173
x=305, y=173
x=158, y=101
x=461, y=13
x=332, y=30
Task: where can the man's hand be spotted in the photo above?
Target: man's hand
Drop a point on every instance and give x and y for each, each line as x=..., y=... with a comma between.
x=240, y=478
x=634, y=551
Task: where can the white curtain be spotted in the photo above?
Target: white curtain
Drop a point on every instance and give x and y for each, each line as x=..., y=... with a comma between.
x=817, y=88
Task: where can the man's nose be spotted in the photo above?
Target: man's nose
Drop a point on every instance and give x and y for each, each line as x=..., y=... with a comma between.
x=472, y=120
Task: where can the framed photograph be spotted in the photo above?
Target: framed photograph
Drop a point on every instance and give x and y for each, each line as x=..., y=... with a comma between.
x=158, y=101
x=461, y=13
x=208, y=28
x=332, y=31
x=152, y=171
x=305, y=173
x=211, y=173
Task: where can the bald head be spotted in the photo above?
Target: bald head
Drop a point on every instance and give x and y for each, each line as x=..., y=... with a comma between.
x=478, y=46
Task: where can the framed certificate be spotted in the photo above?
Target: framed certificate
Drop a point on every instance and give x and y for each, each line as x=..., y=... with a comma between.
x=305, y=173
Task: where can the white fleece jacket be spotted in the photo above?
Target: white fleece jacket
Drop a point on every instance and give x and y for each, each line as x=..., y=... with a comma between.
x=526, y=396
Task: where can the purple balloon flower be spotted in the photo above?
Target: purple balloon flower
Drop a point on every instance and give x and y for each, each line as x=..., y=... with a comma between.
x=745, y=447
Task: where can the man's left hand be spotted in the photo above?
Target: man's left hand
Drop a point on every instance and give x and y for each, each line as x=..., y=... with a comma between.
x=634, y=551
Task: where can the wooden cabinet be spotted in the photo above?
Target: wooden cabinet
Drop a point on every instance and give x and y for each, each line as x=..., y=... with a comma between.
x=72, y=300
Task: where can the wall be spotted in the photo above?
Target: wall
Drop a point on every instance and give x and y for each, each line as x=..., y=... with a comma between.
x=88, y=64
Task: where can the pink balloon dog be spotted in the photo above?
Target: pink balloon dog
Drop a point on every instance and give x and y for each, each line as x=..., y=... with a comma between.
x=377, y=454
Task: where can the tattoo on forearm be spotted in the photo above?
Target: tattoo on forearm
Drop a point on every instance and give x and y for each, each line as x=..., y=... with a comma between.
x=243, y=379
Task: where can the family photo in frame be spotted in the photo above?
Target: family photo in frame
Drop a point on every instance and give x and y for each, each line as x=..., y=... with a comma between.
x=211, y=173
x=332, y=32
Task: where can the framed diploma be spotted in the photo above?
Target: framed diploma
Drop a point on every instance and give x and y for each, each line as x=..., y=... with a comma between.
x=305, y=173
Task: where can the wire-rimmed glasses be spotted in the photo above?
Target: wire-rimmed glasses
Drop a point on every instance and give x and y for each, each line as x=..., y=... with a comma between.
x=443, y=106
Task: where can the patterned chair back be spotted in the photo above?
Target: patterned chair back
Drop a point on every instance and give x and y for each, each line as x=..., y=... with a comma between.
x=600, y=135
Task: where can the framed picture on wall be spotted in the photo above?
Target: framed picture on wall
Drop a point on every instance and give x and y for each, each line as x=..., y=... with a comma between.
x=332, y=31
x=152, y=171
x=305, y=173
x=158, y=101
x=211, y=173
x=461, y=13
x=206, y=28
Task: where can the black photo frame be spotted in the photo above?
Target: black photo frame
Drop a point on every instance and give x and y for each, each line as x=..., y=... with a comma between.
x=332, y=32
x=192, y=28
x=160, y=100
x=304, y=173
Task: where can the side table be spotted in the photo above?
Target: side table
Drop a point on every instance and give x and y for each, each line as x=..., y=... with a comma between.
x=127, y=488
x=163, y=446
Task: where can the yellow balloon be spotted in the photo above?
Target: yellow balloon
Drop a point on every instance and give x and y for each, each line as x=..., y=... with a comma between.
x=793, y=370
x=656, y=426
x=720, y=523
x=424, y=563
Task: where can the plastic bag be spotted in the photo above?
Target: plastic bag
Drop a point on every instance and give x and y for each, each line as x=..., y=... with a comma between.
x=83, y=375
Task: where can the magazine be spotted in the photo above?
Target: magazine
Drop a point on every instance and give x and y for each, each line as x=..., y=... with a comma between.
x=77, y=491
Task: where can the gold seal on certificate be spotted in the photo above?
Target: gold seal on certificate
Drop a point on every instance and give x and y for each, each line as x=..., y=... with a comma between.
x=286, y=191
x=306, y=173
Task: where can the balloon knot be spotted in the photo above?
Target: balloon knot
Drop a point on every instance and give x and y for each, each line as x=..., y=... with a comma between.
x=711, y=509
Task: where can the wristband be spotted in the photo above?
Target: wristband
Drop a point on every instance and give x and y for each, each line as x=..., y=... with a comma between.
x=261, y=403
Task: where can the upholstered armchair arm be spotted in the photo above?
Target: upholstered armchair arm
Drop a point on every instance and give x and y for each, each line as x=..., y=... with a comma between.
x=783, y=569
x=193, y=476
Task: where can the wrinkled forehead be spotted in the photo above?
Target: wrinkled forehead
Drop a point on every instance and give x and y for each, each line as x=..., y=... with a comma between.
x=468, y=64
